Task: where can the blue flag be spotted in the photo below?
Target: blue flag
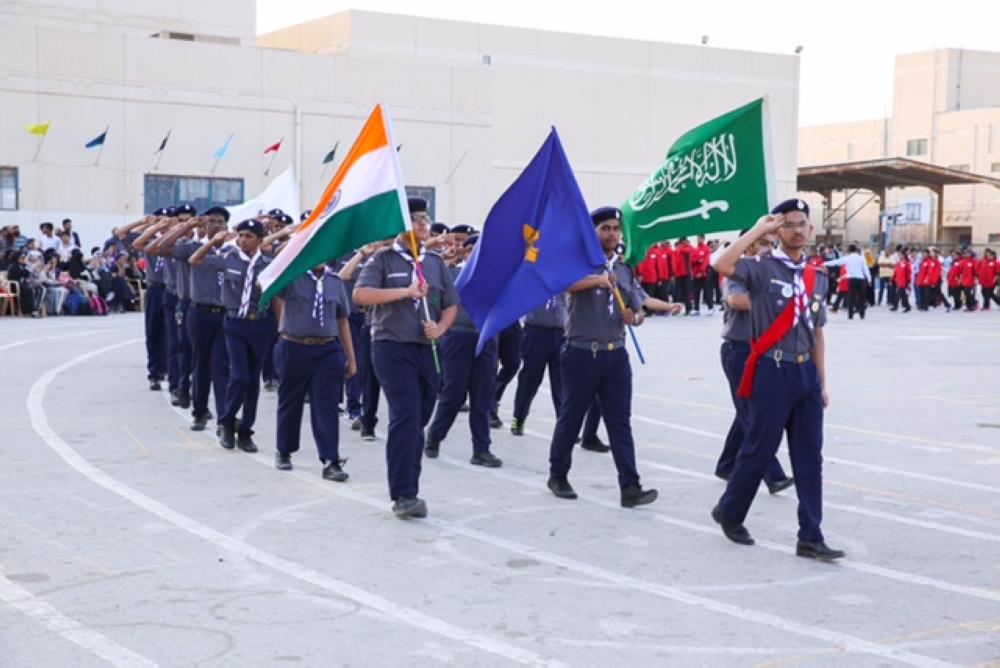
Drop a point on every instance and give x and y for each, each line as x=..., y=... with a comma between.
x=98, y=140
x=221, y=151
x=538, y=240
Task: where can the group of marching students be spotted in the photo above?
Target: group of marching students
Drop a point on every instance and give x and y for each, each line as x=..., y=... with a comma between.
x=927, y=275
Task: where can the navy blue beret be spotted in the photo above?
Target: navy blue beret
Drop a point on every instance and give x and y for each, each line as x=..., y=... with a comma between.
x=283, y=219
x=253, y=226
x=168, y=211
x=463, y=229
x=417, y=204
x=790, y=205
x=470, y=241
x=439, y=228
x=275, y=212
x=305, y=214
x=218, y=211
x=186, y=209
x=605, y=213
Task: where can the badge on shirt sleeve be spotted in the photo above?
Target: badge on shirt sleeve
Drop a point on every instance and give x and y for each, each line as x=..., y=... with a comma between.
x=815, y=307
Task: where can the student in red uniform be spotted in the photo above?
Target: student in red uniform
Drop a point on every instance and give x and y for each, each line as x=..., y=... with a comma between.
x=935, y=297
x=902, y=275
x=843, y=287
x=989, y=269
x=954, y=281
x=663, y=271
x=700, y=256
x=680, y=266
x=646, y=270
x=967, y=277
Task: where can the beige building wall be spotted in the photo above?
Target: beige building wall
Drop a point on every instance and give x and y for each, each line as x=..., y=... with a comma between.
x=471, y=105
x=950, y=99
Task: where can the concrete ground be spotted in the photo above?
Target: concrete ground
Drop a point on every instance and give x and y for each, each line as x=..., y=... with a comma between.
x=125, y=538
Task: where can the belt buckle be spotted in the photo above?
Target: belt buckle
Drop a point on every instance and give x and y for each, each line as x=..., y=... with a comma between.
x=800, y=359
x=611, y=347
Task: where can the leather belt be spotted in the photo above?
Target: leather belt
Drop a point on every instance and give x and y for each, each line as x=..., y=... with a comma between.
x=597, y=346
x=251, y=315
x=155, y=284
x=209, y=308
x=310, y=340
x=780, y=356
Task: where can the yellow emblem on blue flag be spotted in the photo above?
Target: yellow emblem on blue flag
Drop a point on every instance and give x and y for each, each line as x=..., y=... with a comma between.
x=531, y=237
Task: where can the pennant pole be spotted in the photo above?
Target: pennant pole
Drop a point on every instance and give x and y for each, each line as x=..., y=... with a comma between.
x=273, y=156
x=427, y=311
x=38, y=149
x=100, y=149
x=622, y=307
x=159, y=156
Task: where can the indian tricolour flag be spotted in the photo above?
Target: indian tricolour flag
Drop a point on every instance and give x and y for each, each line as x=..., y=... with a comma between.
x=365, y=202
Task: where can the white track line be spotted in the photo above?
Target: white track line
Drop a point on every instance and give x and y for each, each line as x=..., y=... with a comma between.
x=410, y=616
x=24, y=601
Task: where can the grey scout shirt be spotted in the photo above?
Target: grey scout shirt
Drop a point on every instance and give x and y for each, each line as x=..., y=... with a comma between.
x=402, y=320
x=463, y=323
x=170, y=273
x=300, y=299
x=770, y=285
x=735, y=324
x=182, y=270
x=594, y=315
x=234, y=271
x=551, y=315
x=154, y=263
x=206, y=282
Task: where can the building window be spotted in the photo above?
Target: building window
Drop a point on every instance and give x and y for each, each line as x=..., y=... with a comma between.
x=201, y=192
x=8, y=188
x=995, y=167
x=959, y=168
x=993, y=238
x=427, y=192
x=916, y=147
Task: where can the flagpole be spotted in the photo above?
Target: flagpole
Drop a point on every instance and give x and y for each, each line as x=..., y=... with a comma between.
x=159, y=156
x=273, y=156
x=100, y=149
x=418, y=265
x=38, y=149
x=622, y=307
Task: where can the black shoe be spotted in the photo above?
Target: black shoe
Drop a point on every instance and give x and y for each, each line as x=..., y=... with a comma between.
x=174, y=398
x=431, y=448
x=184, y=399
x=487, y=459
x=356, y=424
x=634, y=495
x=200, y=422
x=270, y=385
x=561, y=488
x=734, y=532
x=282, y=462
x=781, y=485
x=332, y=471
x=818, y=551
x=154, y=385
x=246, y=443
x=495, y=422
x=517, y=427
x=464, y=408
x=367, y=434
x=723, y=476
x=228, y=437
x=406, y=507
x=906, y=310
x=594, y=444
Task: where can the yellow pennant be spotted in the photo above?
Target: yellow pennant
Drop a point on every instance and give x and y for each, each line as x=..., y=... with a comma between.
x=40, y=129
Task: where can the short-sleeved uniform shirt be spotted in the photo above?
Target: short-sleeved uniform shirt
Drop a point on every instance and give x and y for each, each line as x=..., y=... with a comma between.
x=234, y=270
x=402, y=320
x=205, y=282
x=735, y=324
x=463, y=322
x=300, y=315
x=770, y=284
x=169, y=273
x=154, y=263
x=594, y=315
x=553, y=314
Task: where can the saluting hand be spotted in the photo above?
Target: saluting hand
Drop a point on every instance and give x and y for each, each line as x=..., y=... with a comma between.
x=768, y=224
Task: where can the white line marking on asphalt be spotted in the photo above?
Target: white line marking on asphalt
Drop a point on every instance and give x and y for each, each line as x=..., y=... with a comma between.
x=48, y=616
x=40, y=423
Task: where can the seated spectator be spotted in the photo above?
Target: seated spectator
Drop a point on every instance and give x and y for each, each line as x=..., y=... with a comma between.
x=67, y=226
x=43, y=275
x=47, y=241
x=65, y=248
x=31, y=293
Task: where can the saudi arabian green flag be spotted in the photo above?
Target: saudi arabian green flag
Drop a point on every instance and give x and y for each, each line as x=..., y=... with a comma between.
x=716, y=179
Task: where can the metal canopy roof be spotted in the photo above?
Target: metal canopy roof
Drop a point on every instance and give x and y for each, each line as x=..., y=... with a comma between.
x=878, y=175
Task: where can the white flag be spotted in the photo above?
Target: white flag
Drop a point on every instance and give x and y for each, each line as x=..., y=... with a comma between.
x=282, y=193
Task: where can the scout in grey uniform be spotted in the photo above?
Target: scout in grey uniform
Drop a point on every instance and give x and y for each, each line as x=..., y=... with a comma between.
x=734, y=352
x=246, y=328
x=178, y=276
x=784, y=375
x=401, y=350
x=594, y=362
x=469, y=374
x=210, y=361
x=314, y=353
x=541, y=347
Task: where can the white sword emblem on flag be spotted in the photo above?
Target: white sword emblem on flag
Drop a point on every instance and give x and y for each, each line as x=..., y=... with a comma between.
x=704, y=211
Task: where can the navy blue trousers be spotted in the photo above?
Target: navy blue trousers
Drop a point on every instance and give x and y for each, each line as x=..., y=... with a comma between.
x=156, y=351
x=267, y=368
x=540, y=349
x=410, y=382
x=246, y=341
x=466, y=374
x=509, y=357
x=786, y=398
x=169, y=308
x=320, y=370
x=734, y=357
x=370, y=388
x=354, y=386
x=184, y=359
x=593, y=421
x=210, y=361
x=608, y=376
